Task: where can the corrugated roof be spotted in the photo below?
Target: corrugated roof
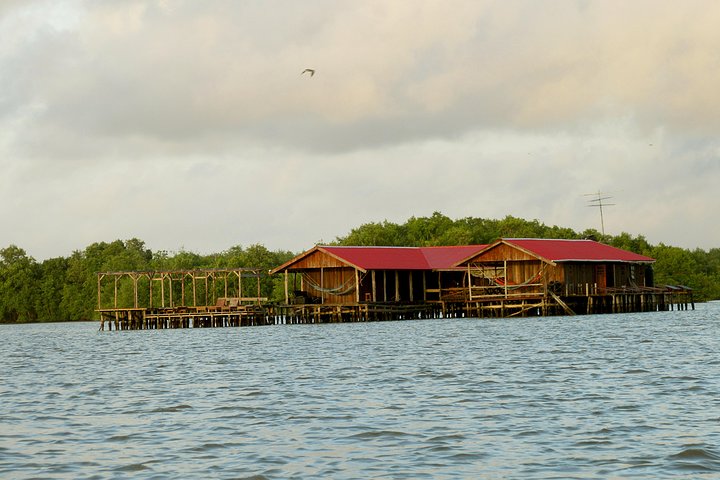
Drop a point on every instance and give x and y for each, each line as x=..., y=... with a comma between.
x=576, y=250
x=403, y=258
x=445, y=257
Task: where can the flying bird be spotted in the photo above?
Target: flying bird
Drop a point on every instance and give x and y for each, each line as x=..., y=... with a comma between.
x=309, y=70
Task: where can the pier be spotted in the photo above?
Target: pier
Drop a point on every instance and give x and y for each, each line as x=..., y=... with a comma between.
x=327, y=284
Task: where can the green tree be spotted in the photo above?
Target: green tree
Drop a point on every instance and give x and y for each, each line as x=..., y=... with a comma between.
x=427, y=231
x=375, y=234
x=53, y=273
x=19, y=275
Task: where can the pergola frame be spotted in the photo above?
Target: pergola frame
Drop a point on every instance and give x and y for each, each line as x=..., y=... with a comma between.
x=228, y=280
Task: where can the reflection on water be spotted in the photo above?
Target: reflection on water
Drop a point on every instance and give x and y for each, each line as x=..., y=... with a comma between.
x=634, y=395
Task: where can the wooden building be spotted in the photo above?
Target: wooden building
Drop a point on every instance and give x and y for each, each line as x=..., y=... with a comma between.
x=341, y=275
x=568, y=267
x=576, y=275
x=506, y=278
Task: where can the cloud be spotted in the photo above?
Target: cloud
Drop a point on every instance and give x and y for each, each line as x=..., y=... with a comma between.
x=386, y=73
x=484, y=109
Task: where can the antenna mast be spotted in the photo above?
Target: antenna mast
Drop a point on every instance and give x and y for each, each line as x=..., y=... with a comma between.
x=597, y=201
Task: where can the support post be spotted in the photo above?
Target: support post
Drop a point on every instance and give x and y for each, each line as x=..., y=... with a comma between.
x=357, y=286
x=99, y=297
x=397, y=286
x=506, y=277
x=287, y=296
x=410, y=282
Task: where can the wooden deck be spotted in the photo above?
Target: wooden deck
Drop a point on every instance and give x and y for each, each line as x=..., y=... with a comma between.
x=213, y=298
x=259, y=312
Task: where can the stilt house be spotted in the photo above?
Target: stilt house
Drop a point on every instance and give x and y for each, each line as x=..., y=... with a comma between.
x=563, y=267
x=343, y=275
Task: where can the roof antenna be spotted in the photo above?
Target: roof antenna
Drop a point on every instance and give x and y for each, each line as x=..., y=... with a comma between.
x=597, y=201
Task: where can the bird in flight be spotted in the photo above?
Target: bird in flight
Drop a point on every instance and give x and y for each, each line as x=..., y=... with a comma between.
x=309, y=70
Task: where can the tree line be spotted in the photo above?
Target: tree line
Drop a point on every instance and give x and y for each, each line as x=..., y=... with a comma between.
x=65, y=288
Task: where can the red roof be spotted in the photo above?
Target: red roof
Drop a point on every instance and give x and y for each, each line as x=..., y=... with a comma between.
x=403, y=258
x=576, y=250
x=448, y=258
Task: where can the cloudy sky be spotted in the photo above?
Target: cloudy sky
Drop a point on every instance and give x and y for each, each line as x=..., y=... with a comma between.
x=189, y=125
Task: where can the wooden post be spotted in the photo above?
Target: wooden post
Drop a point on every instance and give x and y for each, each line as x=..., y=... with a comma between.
x=384, y=285
x=374, y=286
x=240, y=290
x=440, y=291
x=135, y=290
x=257, y=273
x=182, y=291
x=287, y=296
x=99, y=297
x=424, y=280
x=506, y=283
x=410, y=282
x=397, y=286
x=357, y=286
x=469, y=279
x=322, y=291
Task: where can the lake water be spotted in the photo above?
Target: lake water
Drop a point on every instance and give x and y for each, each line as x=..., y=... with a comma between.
x=602, y=396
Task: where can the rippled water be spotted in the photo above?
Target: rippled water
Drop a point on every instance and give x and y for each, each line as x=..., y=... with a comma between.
x=635, y=395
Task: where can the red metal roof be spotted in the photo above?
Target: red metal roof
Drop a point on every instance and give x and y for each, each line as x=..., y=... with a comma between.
x=445, y=257
x=403, y=258
x=576, y=250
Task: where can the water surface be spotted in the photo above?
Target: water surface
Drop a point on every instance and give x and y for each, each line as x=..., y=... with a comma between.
x=602, y=396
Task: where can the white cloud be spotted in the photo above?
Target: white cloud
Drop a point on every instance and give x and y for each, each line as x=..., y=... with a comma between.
x=189, y=124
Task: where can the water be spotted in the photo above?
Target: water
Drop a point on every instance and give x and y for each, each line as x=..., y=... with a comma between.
x=610, y=396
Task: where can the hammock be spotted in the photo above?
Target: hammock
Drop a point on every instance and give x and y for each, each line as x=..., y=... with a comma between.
x=501, y=282
x=492, y=275
x=343, y=289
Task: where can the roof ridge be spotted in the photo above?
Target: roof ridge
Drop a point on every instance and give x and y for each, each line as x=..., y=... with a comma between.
x=552, y=239
x=365, y=246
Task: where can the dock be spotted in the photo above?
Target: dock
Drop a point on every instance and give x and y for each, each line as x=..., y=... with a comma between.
x=235, y=311
x=329, y=284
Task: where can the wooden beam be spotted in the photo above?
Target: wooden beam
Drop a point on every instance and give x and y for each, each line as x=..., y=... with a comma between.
x=410, y=283
x=357, y=286
x=287, y=295
x=374, y=286
x=384, y=285
x=424, y=287
x=397, y=286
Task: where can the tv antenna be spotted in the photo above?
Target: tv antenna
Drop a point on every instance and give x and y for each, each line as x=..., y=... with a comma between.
x=599, y=201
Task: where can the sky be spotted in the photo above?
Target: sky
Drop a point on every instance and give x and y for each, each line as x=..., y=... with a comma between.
x=190, y=125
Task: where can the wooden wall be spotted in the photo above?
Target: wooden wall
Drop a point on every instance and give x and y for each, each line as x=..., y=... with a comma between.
x=316, y=260
x=330, y=278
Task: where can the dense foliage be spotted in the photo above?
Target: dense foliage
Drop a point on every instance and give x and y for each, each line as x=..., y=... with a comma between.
x=65, y=288
x=698, y=269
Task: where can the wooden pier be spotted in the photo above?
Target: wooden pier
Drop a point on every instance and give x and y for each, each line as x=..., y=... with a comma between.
x=509, y=278
x=256, y=311
x=181, y=299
